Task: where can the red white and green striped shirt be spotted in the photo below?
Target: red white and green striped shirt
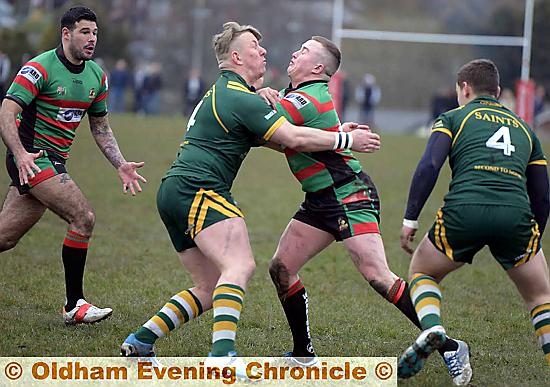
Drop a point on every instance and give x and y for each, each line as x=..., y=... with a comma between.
x=310, y=104
x=55, y=95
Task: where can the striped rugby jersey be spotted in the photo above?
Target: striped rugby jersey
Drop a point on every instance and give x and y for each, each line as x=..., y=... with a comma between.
x=310, y=104
x=55, y=95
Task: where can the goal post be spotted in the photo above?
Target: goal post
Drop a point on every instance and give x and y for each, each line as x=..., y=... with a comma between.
x=523, y=87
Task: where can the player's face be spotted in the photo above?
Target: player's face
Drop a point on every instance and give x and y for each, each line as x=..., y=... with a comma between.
x=252, y=55
x=304, y=60
x=82, y=40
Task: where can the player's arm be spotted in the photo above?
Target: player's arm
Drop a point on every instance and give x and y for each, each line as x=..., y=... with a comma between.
x=10, y=135
x=105, y=140
x=303, y=139
x=423, y=183
x=538, y=191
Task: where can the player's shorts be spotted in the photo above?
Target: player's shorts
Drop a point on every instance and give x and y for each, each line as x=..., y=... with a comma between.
x=343, y=210
x=50, y=164
x=186, y=209
x=511, y=233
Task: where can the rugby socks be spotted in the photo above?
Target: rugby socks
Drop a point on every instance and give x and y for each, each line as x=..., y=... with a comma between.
x=426, y=298
x=295, y=305
x=74, y=252
x=227, y=303
x=400, y=296
x=540, y=317
x=180, y=309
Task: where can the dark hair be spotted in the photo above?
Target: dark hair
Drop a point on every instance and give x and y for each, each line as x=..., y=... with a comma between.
x=334, y=57
x=76, y=14
x=481, y=75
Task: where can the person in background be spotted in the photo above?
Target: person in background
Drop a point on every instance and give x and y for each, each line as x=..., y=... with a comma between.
x=193, y=91
x=119, y=81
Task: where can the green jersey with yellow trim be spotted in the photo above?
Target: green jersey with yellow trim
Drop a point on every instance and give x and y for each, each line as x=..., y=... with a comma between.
x=225, y=124
x=310, y=104
x=491, y=148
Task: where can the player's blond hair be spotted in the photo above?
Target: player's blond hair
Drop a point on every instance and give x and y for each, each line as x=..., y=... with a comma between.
x=231, y=31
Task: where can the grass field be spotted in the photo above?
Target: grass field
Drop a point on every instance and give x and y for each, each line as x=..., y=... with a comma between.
x=132, y=268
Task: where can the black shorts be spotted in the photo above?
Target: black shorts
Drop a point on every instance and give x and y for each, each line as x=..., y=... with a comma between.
x=343, y=210
x=50, y=164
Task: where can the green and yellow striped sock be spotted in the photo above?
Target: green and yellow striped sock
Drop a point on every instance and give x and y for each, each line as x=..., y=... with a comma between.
x=227, y=304
x=426, y=298
x=181, y=308
x=540, y=317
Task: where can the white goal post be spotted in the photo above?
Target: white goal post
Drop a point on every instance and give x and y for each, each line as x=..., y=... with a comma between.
x=525, y=88
x=339, y=33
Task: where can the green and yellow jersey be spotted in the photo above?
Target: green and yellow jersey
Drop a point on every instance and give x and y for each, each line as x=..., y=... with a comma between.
x=310, y=104
x=225, y=124
x=55, y=95
x=491, y=148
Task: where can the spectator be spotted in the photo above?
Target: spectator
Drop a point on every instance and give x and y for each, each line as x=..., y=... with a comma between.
x=152, y=83
x=368, y=95
x=508, y=99
x=119, y=81
x=193, y=90
x=5, y=68
x=540, y=93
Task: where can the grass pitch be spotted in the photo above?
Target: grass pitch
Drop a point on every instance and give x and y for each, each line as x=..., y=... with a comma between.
x=132, y=268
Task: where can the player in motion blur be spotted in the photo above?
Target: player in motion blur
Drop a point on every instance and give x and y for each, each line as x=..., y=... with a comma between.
x=498, y=197
x=341, y=202
x=38, y=119
x=205, y=225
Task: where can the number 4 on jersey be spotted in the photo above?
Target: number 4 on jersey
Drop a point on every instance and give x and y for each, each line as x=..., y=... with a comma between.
x=501, y=140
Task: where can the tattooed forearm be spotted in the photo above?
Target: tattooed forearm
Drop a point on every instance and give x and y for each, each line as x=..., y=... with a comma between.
x=105, y=140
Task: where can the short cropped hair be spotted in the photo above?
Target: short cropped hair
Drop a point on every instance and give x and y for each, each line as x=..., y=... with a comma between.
x=231, y=30
x=482, y=75
x=76, y=14
x=334, y=56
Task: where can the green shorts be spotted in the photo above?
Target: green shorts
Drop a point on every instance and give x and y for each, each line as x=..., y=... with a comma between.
x=186, y=209
x=511, y=233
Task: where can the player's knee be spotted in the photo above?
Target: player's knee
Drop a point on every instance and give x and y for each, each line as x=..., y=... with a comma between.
x=277, y=270
x=85, y=221
x=249, y=268
x=7, y=243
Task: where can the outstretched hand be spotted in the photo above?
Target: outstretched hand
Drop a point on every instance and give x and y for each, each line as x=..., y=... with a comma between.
x=407, y=235
x=27, y=166
x=130, y=178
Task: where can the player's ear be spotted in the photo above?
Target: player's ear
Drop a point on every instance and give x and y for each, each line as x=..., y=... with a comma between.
x=236, y=57
x=499, y=90
x=318, y=69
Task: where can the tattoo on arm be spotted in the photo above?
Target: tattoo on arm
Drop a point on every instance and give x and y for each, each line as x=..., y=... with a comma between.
x=106, y=140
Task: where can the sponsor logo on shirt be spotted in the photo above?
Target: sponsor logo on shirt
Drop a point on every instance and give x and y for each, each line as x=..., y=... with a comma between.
x=299, y=101
x=70, y=114
x=31, y=73
x=270, y=114
x=61, y=90
x=91, y=95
